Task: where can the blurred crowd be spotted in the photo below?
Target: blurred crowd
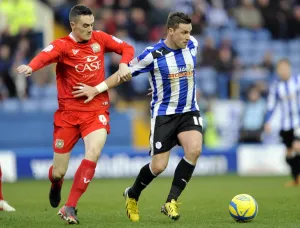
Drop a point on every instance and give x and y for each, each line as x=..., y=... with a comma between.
x=239, y=44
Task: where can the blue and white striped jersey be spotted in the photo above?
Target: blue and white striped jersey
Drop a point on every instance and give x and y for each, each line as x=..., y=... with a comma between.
x=172, y=77
x=287, y=95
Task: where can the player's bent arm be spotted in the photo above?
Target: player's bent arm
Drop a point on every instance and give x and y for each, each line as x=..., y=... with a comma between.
x=113, y=44
x=51, y=54
x=42, y=60
x=111, y=82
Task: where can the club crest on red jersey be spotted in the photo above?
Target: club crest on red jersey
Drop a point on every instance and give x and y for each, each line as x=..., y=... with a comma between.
x=59, y=143
x=96, y=47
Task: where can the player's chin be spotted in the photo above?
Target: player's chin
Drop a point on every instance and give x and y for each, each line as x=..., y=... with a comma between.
x=184, y=45
x=88, y=37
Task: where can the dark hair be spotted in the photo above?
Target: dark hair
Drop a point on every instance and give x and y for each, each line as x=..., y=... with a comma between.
x=284, y=60
x=79, y=10
x=176, y=18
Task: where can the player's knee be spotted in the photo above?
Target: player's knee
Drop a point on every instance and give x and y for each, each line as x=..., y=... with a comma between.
x=296, y=146
x=93, y=154
x=58, y=173
x=157, y=167
x=193, y=151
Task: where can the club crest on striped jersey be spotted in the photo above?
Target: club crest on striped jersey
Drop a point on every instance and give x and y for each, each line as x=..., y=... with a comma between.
x=96, y=47
x=193, y=52
x=187, y=68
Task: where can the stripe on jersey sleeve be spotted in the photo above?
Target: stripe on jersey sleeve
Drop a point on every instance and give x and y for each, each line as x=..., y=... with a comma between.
x=142, y=64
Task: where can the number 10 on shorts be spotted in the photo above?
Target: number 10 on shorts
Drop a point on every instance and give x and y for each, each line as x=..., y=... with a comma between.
x=198, y=120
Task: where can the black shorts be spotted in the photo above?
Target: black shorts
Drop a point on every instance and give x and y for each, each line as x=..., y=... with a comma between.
x=288, y=137
x=164, y=130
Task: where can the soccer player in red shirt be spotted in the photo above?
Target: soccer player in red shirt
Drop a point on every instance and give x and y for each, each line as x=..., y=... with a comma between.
x=4, y=206
x=80, y=58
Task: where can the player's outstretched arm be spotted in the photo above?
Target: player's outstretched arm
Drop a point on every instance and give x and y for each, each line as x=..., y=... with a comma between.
x=90, y=92
x=48, y=55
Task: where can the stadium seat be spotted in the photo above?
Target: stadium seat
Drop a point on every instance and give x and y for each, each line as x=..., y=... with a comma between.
x=262, y=35
x=213, y=33
x=279, y=46
x=50, y=91
x=48, y=104
x=294, y=46
x=30, y=105
x=227, y=33
x=295, y=59
x=243, y=34
x=206, y=80
x=244, y=47
x=10, y=105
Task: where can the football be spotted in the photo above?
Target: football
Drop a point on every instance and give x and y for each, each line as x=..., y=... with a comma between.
x=243, y=208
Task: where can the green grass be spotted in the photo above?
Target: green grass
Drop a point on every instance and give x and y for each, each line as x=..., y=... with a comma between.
x=204, y=203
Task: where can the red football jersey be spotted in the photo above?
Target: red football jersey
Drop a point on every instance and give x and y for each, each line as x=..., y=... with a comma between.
x=81, y=62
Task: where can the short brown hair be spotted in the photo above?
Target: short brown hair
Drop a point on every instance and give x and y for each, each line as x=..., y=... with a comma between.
x=284, y=60
x=79, y=10
x=176, y=18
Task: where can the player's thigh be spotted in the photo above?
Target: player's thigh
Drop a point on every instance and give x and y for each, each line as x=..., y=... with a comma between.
x=94, y=143
x=66, y=132
x=94, y=129
x=65, y=136
x=163, y=134
x=190, y=134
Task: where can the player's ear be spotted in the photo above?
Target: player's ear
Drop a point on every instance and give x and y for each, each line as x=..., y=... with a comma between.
x=170, y=31
x=72, y=24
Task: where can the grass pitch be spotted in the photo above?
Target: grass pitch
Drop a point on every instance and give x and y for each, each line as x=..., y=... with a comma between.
x=204, y=203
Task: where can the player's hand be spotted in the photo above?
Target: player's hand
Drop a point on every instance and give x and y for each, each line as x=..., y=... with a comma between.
x=124, y=73
x=267, y=128
x=27, y=70
x=82, y=90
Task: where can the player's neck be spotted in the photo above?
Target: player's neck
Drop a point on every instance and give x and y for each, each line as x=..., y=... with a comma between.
x=76, y=39
x=170, y=44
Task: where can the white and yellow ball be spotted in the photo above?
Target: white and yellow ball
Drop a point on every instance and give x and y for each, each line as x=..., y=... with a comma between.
x=243, y=208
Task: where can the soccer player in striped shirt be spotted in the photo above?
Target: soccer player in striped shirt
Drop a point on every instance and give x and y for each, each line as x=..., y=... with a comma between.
x=285, y=92
x=175, y=117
